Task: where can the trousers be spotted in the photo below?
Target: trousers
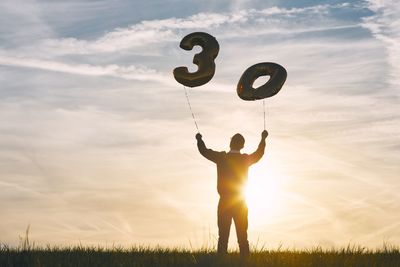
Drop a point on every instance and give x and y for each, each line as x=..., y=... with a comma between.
x=232, y=208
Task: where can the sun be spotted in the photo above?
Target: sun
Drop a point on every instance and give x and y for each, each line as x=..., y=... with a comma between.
x=263, y=195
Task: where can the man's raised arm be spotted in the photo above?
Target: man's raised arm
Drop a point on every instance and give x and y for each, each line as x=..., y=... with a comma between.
x=257, y=155
x=206, y=152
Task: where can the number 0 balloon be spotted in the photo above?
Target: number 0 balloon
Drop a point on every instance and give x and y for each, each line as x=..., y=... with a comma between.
x=277, y=75
x=204, y=60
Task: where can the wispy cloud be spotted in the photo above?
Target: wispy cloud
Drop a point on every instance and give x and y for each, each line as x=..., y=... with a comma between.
x=21, y=23
x=245, y=22
x=385, y=26
x=129, y=73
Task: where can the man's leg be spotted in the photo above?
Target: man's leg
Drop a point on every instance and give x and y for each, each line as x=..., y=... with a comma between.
x=241, y=224
x=224, y=225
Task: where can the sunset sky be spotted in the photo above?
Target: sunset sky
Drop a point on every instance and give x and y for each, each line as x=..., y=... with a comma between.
x=97, y=142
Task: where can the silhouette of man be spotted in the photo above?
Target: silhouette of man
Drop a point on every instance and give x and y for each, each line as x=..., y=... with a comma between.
x=232, y=169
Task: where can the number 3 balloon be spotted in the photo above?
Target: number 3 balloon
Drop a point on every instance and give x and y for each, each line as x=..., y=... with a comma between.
x=277, y=78
x=204, y=60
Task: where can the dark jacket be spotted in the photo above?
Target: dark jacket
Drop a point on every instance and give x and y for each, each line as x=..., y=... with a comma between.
x=232, y=168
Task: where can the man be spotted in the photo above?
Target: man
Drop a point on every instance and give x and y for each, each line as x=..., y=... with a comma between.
x=232, y=169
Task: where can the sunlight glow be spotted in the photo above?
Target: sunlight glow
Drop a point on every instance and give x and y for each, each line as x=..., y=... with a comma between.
x=263, y=195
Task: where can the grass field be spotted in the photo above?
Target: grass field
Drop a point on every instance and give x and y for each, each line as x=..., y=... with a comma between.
x=90, y=256
x=27, y=254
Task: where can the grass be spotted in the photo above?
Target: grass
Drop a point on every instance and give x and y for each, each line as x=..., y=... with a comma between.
x=140, y=256
x=27, y=254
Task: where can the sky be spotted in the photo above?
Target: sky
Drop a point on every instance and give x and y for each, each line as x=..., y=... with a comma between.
x=97, y=141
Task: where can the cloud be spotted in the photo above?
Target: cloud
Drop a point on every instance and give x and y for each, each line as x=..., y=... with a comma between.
x=154, y=38
x=21, y=23
x=385, y=26
x=128, y=73
x=246, y=22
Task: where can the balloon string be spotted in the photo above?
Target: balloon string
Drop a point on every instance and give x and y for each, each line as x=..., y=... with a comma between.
x=190, y=107
x=264, y=112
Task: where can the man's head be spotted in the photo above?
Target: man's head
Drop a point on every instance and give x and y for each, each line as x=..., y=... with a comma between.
x=237, y=142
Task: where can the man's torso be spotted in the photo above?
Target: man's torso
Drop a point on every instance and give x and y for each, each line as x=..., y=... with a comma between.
x=232, y=171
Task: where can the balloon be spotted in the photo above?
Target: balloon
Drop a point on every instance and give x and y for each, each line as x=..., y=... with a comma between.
x=204, y=60
x=277, y=78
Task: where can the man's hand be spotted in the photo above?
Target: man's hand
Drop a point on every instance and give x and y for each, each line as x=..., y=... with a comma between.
x=264, y=134
x=198, y=136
